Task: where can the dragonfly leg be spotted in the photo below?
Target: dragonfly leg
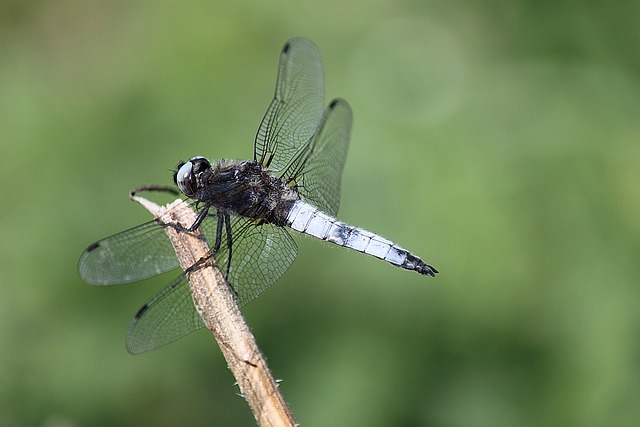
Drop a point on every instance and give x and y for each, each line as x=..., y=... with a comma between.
x=201, y=216
x=227, y=222
x=219, y=225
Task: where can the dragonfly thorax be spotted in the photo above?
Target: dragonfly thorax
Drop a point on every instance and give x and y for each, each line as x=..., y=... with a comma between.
x=241, y=187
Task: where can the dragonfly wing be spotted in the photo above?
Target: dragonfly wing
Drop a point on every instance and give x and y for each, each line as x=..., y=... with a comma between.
x=261, y=253
x=317, y=169
x=134, y=254
x=167, y=316
x=294, y=114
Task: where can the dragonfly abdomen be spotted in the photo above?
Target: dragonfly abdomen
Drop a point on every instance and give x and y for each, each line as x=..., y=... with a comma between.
x=308, y=219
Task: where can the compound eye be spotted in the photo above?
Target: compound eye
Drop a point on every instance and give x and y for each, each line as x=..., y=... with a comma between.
x=199, y=163
x=185, y=179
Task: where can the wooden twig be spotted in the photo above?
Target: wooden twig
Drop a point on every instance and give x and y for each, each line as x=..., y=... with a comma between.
x=217, y=307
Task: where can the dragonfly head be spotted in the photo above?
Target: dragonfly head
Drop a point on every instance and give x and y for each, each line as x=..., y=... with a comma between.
x=187, y=175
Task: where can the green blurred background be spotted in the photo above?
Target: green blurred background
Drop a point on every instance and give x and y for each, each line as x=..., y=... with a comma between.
x=497, y=140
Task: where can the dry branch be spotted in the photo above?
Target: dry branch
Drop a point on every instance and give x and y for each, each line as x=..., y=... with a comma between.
x=217, y=307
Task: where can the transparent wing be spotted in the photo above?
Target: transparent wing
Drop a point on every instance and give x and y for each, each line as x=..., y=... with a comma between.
x=317, y=169
x=134, y=254
x=260, y=255
x=166, y=317
x=293, y=116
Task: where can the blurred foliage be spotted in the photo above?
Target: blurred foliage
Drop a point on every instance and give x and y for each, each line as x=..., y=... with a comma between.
x=498, y=140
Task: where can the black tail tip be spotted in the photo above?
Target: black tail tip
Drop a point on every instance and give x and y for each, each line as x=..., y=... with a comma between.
x=428, y=270
x=412, y=262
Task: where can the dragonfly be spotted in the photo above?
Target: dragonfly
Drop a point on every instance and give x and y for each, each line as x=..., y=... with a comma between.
x=247, y=207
